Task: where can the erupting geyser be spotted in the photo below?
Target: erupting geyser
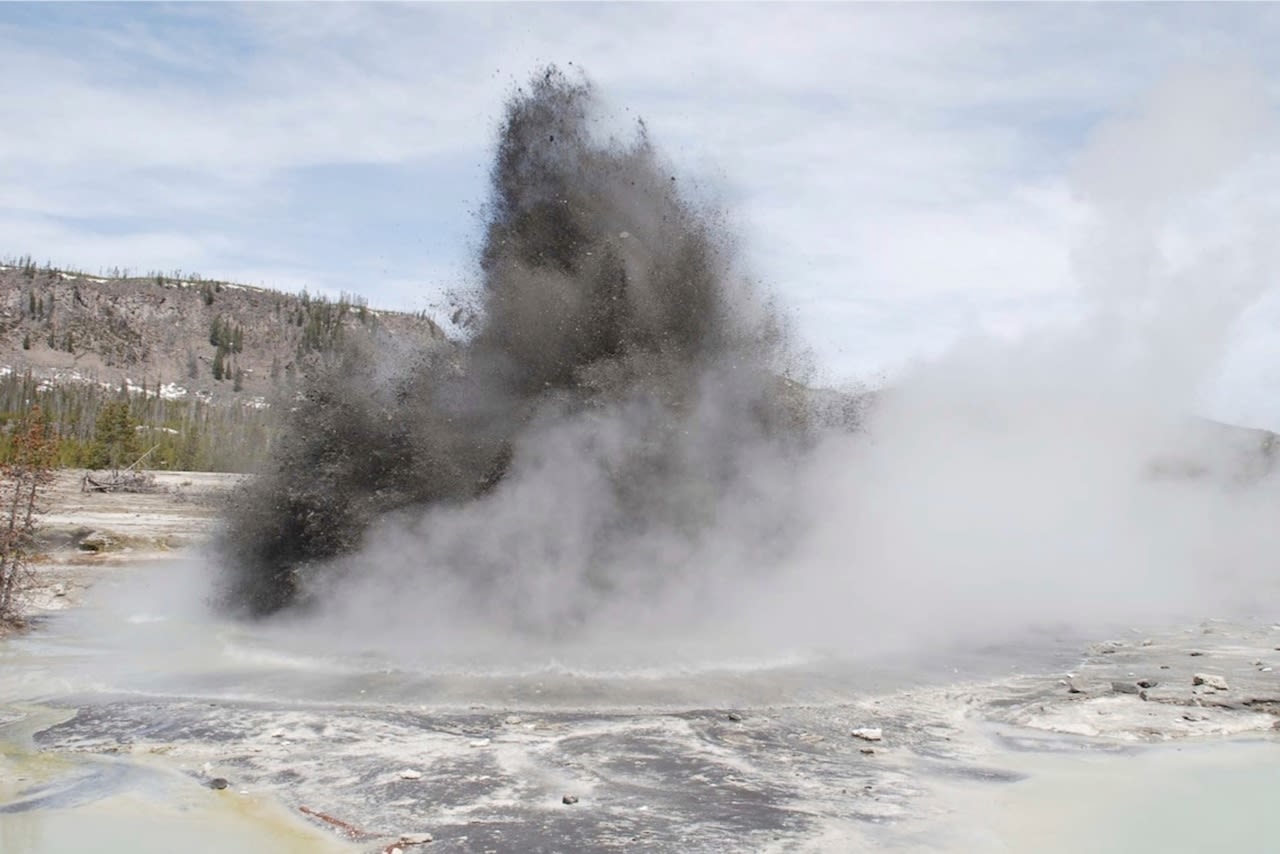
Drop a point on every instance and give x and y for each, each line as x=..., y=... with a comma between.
x=618, y=374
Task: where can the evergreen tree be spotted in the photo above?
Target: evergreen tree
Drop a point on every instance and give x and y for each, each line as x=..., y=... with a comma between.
x=115, y=437
x=220, y=363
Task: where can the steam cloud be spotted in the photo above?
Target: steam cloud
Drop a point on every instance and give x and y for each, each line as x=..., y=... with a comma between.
x=615, y=453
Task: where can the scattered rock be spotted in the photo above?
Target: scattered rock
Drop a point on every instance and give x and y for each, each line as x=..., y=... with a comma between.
x=1147, y=683
x=218, y=783
x=1164, y=667
x=867, y=751
x=569, y=799
x=1124, y=687
x=868, y=733
x=1194, y=653
x=1209, y=680
x=410, y=774
x=1073, y=687
x=95, y=541
x=479, y=742
x=734, y=716
x=1108, y=648
x=416, y=838
x=1148, y=642
x=514, y=720
x=59, y=589
x=1194, y=716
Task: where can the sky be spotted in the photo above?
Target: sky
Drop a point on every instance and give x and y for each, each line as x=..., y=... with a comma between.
x=899, y=177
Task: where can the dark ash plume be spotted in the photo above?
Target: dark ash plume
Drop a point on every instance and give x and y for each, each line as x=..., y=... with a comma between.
x=606, y=298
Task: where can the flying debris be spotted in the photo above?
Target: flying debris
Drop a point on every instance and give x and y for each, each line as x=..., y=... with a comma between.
x=609, y=313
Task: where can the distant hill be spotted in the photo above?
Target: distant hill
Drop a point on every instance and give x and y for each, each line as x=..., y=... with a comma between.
x=186, y=337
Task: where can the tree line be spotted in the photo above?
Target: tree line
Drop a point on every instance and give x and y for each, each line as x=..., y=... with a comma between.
x=101, y=428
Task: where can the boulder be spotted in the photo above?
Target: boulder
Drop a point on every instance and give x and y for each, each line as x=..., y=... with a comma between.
x=416, y=838
x=1209, y=680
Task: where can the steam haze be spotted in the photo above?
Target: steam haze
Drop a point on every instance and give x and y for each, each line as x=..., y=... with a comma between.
x=619, y=457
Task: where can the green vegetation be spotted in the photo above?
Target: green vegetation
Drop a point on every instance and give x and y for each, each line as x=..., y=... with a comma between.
x=322, y=320
x=99, y=427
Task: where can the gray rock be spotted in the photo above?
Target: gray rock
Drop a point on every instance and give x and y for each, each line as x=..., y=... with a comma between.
x=410, y=774
x=1147, y=683
x=869, y=733
x=416, y=838
x=569, y=799
x=1073, y=687
x=1209, y=680
x=1124, y=687
x=95, y=541
x=218, y=783
x=734, y=716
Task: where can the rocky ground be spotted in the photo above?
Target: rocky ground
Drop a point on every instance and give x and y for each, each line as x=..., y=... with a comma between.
x=85, y=534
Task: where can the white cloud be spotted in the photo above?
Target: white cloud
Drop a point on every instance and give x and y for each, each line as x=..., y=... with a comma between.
x=916, y=154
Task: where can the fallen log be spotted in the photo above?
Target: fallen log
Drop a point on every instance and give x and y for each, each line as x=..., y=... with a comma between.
x=350, y=830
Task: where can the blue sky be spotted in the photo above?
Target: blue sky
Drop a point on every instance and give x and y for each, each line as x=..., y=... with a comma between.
x=900, y=175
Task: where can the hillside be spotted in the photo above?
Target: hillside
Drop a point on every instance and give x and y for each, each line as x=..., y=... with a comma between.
x=185, y=337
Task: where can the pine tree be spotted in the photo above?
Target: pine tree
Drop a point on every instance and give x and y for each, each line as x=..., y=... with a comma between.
x=115, y=437
x=219, y=363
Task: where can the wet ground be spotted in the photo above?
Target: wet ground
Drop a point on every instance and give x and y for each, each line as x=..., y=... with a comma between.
x=118, y=716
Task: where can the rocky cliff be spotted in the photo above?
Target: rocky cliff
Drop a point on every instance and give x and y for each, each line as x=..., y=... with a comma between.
x=188, y=337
